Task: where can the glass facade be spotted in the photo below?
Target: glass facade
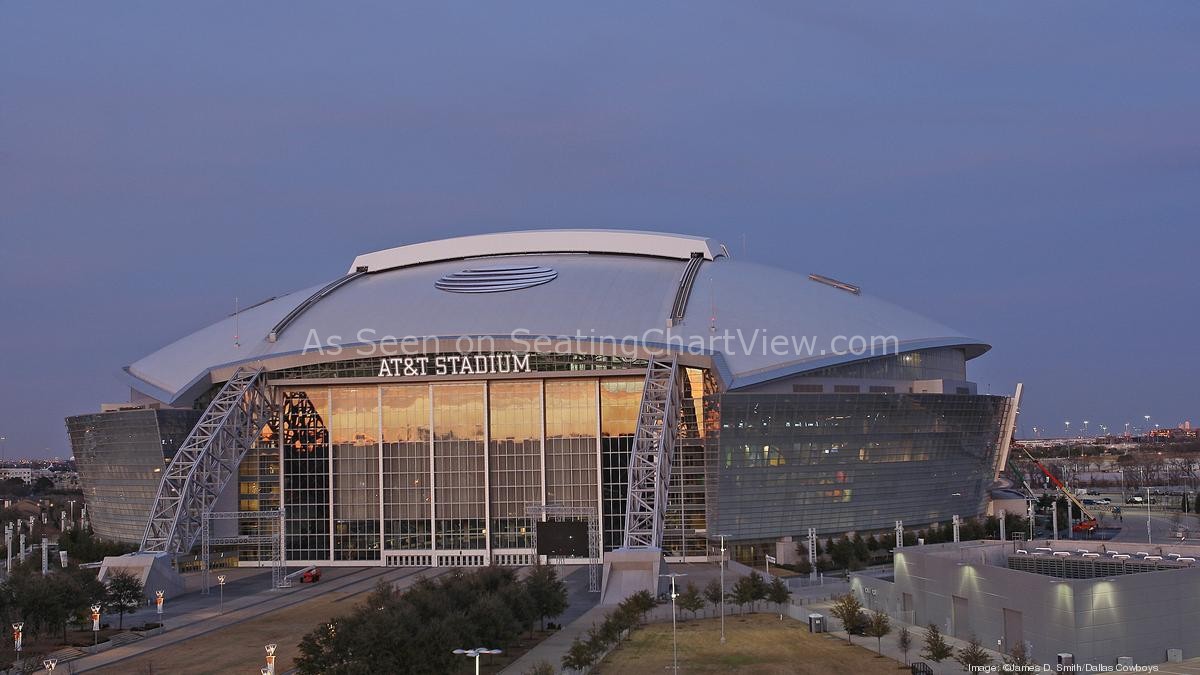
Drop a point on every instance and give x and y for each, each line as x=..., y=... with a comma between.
x=121, y=455
x=443, y=472
x=947, y=363
x=840, y=463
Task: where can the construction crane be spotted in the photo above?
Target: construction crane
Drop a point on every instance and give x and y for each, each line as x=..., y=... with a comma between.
x=1089, y=522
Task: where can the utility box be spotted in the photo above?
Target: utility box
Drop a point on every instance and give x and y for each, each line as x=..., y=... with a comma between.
x=1174, y=656
x=816, y=623
x=1066, y=659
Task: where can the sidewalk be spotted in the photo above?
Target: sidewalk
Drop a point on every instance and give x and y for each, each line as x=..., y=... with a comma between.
x=582, y=612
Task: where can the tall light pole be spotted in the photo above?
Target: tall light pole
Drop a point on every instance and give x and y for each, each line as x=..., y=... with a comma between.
x=221, y=585
x=475, y=654
x=722, y=603
x=270, y=669
x=674, y=640
x=1148, y=515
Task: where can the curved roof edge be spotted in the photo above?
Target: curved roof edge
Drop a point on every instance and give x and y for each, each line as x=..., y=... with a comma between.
x=972, y=347
x=629, y=242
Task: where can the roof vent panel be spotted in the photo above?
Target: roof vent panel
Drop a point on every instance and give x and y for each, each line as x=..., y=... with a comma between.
x=496, y=279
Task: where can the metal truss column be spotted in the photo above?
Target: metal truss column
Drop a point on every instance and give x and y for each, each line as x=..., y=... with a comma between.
x=208, y=458
x=651, y=455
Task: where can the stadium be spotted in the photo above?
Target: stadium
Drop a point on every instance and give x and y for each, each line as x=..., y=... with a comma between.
x=439, y=400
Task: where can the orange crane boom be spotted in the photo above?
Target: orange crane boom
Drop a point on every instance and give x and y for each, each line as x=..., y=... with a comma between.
x=1089, y=521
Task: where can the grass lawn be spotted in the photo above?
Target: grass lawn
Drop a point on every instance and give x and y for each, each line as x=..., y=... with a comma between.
x=755, y=643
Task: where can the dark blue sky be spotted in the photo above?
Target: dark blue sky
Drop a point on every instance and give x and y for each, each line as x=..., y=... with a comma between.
x=1024, y=172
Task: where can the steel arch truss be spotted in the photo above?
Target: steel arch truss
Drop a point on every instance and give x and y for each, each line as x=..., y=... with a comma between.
x=206, y=461
x=650, y=458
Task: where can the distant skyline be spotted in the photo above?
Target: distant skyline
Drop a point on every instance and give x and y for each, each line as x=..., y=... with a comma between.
x=1024, y=173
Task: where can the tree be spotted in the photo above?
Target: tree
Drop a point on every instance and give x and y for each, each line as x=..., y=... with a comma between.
x=124, y=595
x=746, y=590
x=691, y=600
x=878, y=626
x=712, y=593
x=973, y=657
x=905, y=640
x=1018, y=658
x=778, y=593
x=936, y=649
x=548, y=592
x=848, y=610
x=579, y=656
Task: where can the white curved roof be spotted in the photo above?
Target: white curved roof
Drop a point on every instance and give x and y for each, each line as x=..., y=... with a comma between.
x=609, y=284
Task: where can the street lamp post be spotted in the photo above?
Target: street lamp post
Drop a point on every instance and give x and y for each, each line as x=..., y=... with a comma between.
x=674, y=641
x=475, y=654
x=270, y=669
x=722, y=603
x=96, y=624
x=221, y=585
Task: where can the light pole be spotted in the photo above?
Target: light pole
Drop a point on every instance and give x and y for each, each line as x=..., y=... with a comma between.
x=96, y=624
x=475, y=654
x=722, y=603
x=270, y=669
x=221, y=585
x=1148, y=515
x=674, y=641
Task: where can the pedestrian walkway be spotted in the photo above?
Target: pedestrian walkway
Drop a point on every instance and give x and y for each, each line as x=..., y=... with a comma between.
x=581, y=613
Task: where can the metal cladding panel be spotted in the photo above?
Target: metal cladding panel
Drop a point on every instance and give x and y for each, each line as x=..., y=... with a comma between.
x=736, y=309
x=785, y=463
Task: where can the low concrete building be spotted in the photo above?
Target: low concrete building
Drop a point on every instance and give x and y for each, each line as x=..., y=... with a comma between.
x=1098, y=601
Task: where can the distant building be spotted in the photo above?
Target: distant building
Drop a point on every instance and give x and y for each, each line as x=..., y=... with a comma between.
x=23, y=474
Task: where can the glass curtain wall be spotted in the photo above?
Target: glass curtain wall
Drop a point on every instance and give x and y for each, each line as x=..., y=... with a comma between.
x=620, y=399
x=851, y=462
x=685, y=494
x=458, y=447
x=515, y=462
x=407, y=515
x=306, y=473
x=355, y=431
x=571, y=442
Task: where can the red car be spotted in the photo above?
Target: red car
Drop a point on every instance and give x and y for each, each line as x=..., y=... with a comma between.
x=311, y=576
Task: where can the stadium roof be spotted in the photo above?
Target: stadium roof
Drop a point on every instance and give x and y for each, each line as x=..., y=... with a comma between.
x=589, y=285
